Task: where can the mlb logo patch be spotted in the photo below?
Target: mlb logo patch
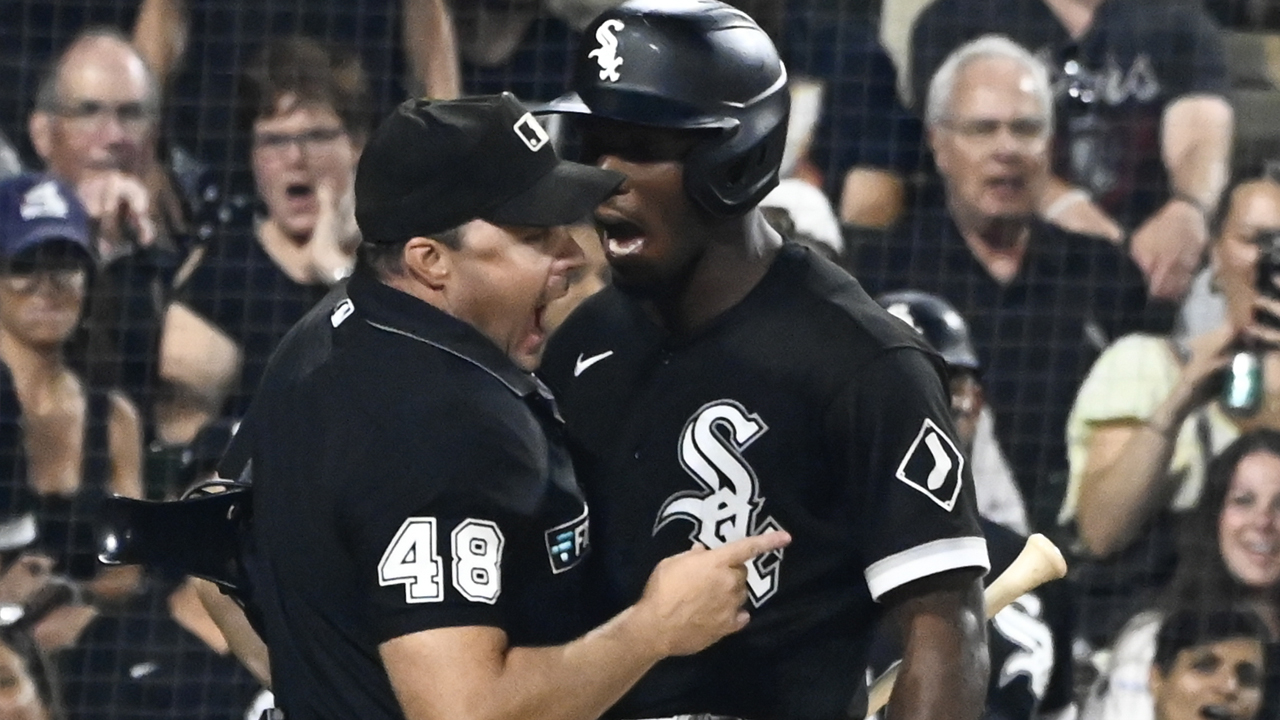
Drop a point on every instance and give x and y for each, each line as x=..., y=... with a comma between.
x=568, y=544
x=531, y=132
x=933, y=465
x=341, y=312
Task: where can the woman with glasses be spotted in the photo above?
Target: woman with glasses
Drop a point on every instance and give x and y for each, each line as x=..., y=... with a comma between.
x=304, y=108
x=80, y=442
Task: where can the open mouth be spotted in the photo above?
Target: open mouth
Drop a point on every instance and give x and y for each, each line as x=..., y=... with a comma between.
x=621, y=237
x=1007, y=184
x=299, y=191
x=1216, y=712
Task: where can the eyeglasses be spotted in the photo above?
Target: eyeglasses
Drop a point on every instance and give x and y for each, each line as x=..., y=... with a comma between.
x=1026, y=130
x=133, y=117
x=27, y=281
x=277, y=144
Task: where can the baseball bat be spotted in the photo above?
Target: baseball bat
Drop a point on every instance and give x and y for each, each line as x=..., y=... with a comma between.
x=1039, y=562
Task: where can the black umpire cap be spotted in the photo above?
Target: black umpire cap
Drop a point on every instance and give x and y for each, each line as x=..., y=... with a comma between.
x=436, y=164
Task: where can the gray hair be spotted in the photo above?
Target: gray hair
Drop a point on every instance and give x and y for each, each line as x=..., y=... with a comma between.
x=47, y=92
x=943, y=84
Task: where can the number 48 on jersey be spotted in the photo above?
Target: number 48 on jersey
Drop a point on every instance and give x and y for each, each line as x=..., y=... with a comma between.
x=412, y=559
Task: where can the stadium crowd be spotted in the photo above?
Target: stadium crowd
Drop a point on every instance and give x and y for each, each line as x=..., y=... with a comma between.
x=1080, y=193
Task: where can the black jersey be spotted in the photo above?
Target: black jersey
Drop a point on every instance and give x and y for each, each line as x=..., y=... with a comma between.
x=407, y=476
x=805, y=407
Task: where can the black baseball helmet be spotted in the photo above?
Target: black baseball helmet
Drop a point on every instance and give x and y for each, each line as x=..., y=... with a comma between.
x=939, y=323
x=691, y=64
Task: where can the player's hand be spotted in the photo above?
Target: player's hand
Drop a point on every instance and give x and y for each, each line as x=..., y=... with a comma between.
x=120, y=207
x=695, y=598
x=1168, y=247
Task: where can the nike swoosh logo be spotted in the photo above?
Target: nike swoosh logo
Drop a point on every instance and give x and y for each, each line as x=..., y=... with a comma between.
x=584, y=363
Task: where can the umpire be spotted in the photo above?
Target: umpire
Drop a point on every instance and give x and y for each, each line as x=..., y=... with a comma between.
x=418, y=530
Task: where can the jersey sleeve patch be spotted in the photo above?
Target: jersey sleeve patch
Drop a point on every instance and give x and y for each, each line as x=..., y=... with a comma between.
x=924, y=560
x=933, y=465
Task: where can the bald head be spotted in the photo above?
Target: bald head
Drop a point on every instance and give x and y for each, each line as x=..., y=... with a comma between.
x=97, y=57
x=96, y=109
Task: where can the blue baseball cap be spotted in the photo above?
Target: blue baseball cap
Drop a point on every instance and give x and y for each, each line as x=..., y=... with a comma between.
x=37, y=210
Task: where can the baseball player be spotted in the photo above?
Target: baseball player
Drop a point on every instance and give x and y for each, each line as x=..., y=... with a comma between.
x=729, y=384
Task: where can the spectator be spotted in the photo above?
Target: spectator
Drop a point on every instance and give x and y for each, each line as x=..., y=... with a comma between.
x=158, y=656
x=1207, y=667
x=862, y=146
x=1041, y=300
x=80, y=441
x=307, y=107
x=33, y=32
x=201, y=47
x=1229, y=557
x=1144, y=132
x=95, y=127
x=1146, y=420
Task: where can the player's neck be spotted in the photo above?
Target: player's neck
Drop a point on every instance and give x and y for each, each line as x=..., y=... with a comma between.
x=735, y=260
x=1075, y=15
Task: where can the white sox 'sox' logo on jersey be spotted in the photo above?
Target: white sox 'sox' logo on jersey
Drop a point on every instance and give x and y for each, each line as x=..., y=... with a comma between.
x=607, y=54
x=711, y=446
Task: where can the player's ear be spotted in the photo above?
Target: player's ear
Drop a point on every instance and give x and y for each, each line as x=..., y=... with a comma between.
x=428, y=260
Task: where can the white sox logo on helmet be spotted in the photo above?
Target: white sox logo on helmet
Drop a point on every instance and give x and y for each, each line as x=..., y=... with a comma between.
x=729, y=508
x=607, y=54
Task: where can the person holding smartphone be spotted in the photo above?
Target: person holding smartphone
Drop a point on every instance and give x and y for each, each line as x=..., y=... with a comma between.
x=1150, y=415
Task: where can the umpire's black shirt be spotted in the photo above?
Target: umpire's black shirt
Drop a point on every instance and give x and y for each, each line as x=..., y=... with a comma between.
x=407, y=476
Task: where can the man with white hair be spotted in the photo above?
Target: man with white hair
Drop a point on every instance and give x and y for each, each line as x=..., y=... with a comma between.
x=1143, y=130
x=1042, y=301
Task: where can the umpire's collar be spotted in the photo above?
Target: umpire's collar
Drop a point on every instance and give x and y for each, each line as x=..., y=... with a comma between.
x=390, y=310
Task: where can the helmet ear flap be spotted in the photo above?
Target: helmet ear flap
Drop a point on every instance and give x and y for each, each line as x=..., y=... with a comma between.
x=727, y=179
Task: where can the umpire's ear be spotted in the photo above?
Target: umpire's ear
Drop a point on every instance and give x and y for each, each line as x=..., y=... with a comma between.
x=429, y=261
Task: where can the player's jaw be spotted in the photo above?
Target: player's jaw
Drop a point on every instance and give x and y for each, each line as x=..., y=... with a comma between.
x=651, y=244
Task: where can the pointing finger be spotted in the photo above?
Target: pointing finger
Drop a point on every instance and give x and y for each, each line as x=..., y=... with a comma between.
x=740, y=551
